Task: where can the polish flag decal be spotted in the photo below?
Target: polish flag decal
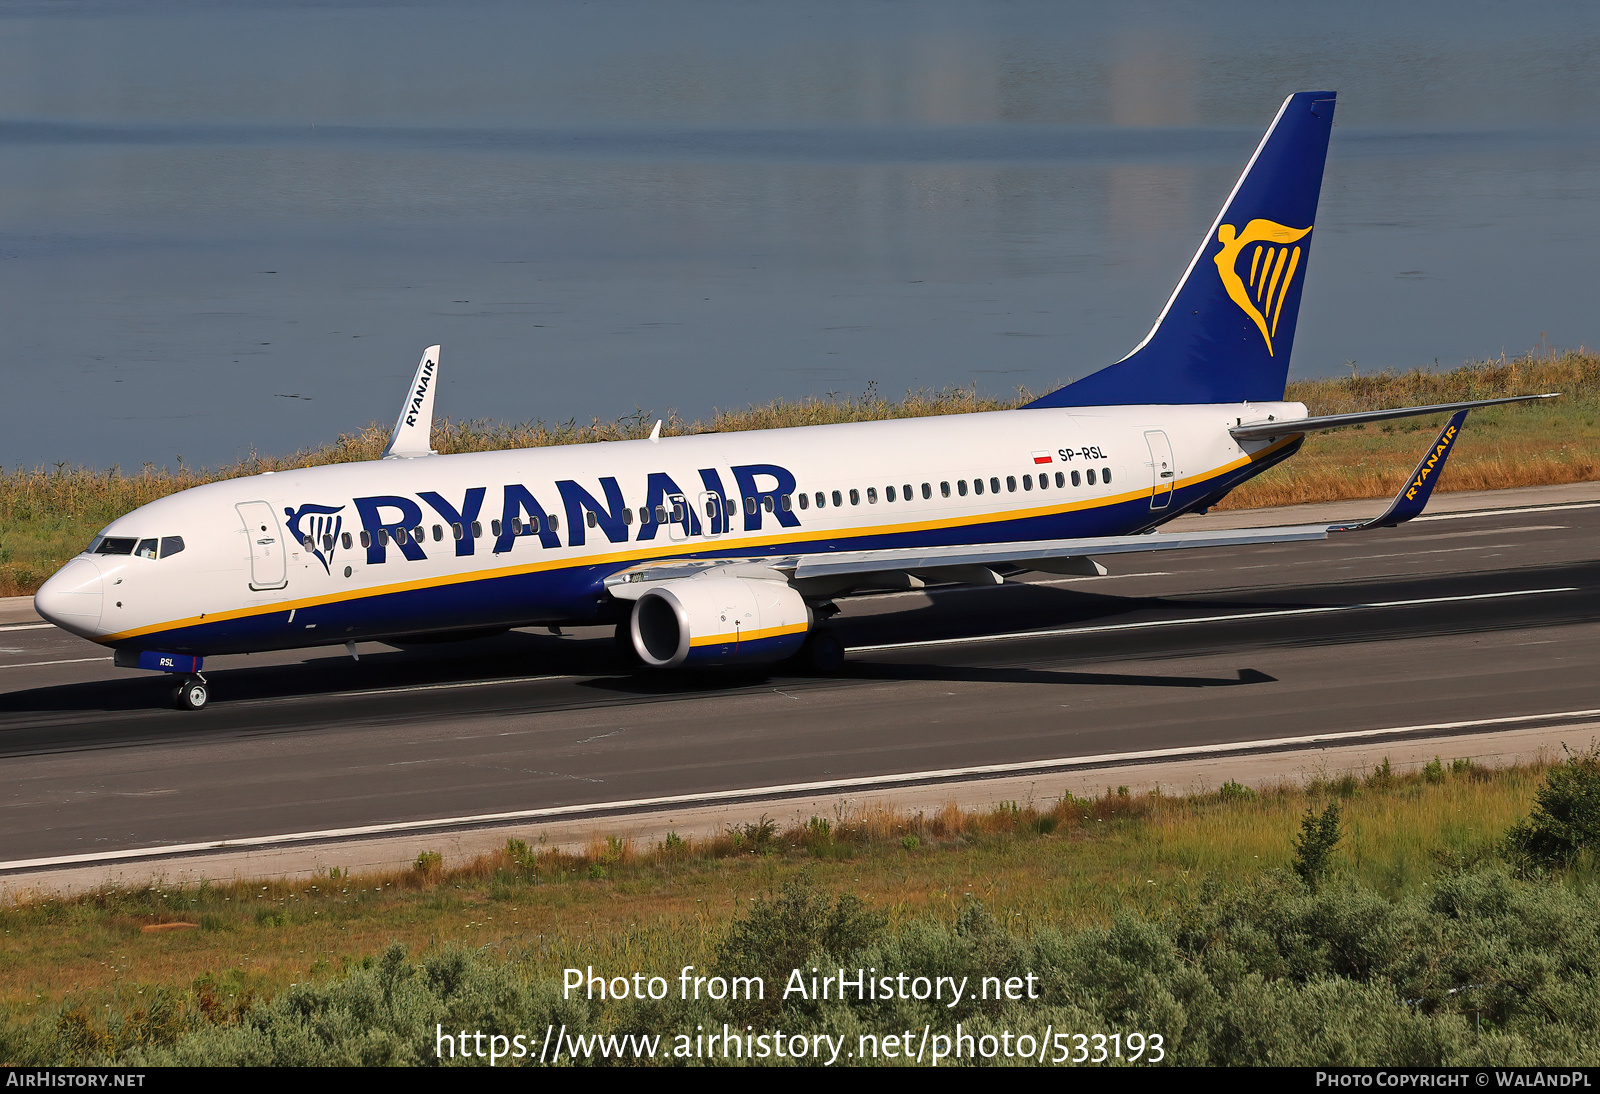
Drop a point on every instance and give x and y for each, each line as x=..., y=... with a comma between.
x=1041, y=457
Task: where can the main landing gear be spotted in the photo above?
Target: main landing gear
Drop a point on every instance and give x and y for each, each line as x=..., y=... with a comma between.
x=192, y=694
x=822, y=653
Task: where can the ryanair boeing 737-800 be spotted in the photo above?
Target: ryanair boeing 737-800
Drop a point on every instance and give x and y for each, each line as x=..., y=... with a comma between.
x=728, y=549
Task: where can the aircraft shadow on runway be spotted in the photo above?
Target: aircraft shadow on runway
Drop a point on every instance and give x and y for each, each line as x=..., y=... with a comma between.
x=519, y=655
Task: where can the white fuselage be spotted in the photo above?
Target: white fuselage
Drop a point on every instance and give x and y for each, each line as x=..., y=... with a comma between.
x=451, y=543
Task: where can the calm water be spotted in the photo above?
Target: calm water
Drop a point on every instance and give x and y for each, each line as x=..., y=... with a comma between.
x=226, y=226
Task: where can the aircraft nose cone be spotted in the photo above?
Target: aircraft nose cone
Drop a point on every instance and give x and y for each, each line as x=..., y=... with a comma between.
x=72, y=599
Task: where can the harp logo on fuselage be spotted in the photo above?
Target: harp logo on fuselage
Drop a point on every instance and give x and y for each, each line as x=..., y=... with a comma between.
x=1261, y=289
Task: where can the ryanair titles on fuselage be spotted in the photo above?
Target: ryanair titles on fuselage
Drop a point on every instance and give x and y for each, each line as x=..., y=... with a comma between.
x=391, y=521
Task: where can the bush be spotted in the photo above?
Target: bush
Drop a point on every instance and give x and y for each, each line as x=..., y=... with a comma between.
x=1313, y=851
x=784, y=930
x=1565, y=818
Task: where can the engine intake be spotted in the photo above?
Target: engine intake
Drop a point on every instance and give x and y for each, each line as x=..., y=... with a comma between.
x=718, y=621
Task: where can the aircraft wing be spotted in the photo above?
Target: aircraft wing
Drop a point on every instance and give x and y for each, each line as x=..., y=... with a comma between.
x=831, y=573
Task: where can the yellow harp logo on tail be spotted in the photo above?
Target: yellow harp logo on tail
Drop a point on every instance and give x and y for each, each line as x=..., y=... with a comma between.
x=1273, y=264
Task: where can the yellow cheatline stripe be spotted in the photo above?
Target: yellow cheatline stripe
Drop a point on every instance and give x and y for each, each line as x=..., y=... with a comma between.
x=748, y=636
x=679, y=549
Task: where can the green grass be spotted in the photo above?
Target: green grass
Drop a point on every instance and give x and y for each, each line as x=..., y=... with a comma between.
x=1064, y=865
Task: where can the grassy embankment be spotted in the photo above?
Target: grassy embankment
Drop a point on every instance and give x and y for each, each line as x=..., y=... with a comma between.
x=139, y=969
x=46, y=516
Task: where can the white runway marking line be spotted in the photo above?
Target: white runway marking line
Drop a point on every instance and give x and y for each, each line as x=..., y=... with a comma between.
x=69, y=661
x=866, y=782
x=25, y=626
x=1506, y=512
x=1148, y=624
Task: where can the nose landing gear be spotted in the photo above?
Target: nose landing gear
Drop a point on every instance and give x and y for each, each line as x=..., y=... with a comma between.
x=192, y=694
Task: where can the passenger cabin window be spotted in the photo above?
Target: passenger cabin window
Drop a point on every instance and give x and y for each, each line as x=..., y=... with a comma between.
x=1090, y=474
x=1061, y=480
x=788, y=502
x=366, y=539
x=977, y=486
x=1105, y=474
x=591, y=518
x=838, y=500
x=457, y=531
x=872, y=495
x=1075, y=479
x=171, y=545
x=1027, y=481
x=804, y=502
x=1011, y=484
x=961, y=487
x=146, y=548
x=855, y=497
x=994, y=485
x=905, y=491
x=766, y=503
x=888, y=493
x=477, y=530
x=438, y=532
x=494, y=526
x=345, y=539
x=944, y=489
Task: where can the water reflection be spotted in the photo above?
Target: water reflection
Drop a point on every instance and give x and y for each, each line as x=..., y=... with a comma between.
x=204, y=211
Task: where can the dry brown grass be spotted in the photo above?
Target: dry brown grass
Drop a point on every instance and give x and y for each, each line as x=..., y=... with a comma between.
x=1540, y=444
x=48, y=515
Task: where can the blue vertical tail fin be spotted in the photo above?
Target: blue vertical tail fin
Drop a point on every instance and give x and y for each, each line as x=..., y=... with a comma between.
x=1226, y=333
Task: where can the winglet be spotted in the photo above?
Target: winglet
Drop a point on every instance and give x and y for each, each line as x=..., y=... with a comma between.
x=1418, y=489
x=413, y=430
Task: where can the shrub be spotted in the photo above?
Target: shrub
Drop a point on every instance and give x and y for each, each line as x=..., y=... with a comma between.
x=1233, y=791
x=1313, y=851
x=782, y=931
x=1565, y=818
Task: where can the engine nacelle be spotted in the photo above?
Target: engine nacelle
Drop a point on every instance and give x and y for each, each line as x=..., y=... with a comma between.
x=718, y=621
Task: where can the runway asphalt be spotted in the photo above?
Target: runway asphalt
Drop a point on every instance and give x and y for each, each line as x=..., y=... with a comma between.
x=1462, y=618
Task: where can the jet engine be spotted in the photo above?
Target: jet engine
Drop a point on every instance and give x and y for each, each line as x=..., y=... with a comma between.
x=718, y=621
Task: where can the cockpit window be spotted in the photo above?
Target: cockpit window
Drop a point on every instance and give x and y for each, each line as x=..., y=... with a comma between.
x=146, y=548
x=171, y=545
x=115, y=545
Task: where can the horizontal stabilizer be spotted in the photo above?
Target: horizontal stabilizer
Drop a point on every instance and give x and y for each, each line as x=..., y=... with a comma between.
x=413, y=430
x=1260, y=431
